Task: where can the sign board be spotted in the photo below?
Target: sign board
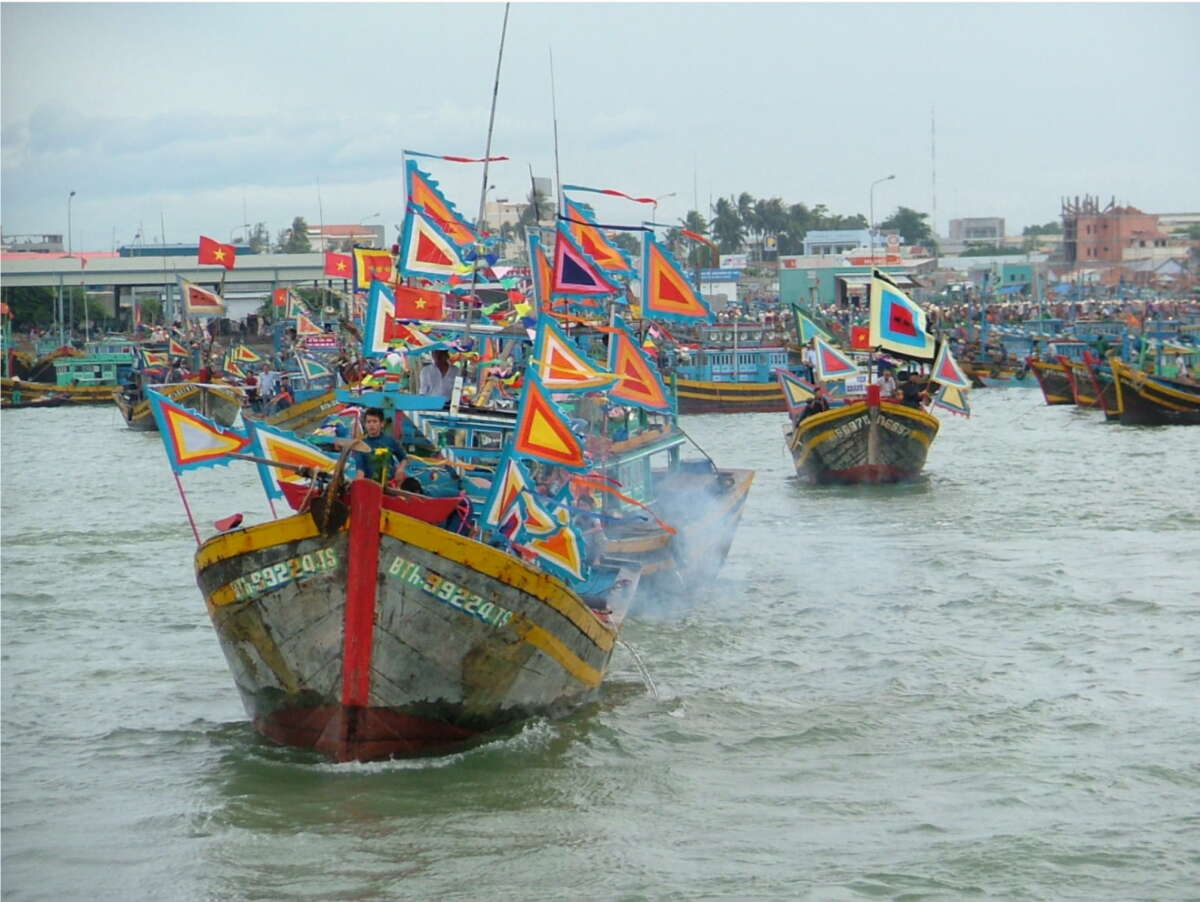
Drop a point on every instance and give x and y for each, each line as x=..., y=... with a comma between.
x=735, y=261
x=720, y=275
x=893, y=241
x=321, y=342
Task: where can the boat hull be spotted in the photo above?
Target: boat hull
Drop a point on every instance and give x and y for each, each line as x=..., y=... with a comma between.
x=38, y=394
x=303, y=417
x=862, y=443
x=1054, y=381
x=696, y=396
x=219, y=404
x=390, y=637
x=1147, y=401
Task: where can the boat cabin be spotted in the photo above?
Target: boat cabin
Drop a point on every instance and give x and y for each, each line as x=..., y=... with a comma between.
x=94, y=369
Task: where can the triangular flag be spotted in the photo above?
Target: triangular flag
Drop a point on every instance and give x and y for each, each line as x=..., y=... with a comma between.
x=808, y=329
x=381, y=313
x=833, y=364
x=560, y=367
x=313, y=369
x=542, y=432
x=285, y=448
x=560, y=551
x=509, y=481
x=190, y=439
x=175, y=349
x=233, y=369
x=666, y=291
x=796, y=392
x=897, y=322
x=305, y=326
x=243, y=354
x=592, y=241
x=953, y=399
x=946, y=369
x=423, y=194
x=199, y=301
x=540, y=270
x=637, y=381
x=154, y=358
x=425, y=250
x=574, y=272
x=535, y=519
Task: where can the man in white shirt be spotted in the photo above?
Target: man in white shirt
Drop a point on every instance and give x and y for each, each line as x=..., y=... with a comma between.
x=809, y=357
x=437, y=378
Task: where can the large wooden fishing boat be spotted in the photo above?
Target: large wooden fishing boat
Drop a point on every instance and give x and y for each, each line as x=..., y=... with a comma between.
x=1084, y=390
x=364, y=633
x=1147, y=400
x=303, y=416
x=731, y=371
x=217, y=402
x=1052, y=377
x=707, y=396
x=19, y=393
x=864, y=441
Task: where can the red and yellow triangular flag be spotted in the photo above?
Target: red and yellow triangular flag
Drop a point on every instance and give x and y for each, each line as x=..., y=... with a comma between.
x=832, y=364
x=560, y=367
x=637, y=382
x=592, y=241
x=667, y=294
x=305, y=326
x=542, y=432
x=191, y=439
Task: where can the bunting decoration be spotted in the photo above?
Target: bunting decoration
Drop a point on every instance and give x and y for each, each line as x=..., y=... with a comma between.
x=371, y=264
x=423, y=194
x=832, y=364
x=286, y=448
x=897, y=324
x=199, y=301
x=560, y=366
x=946, y=369
x=211, y=251
x=542, y=432
x=427, y=251
x=707, y=242
x=305, y=326
x=638, y=382
x=574, y=272
x=796, y=391
x=561, y=551
x=340, y=266
x=954, y=399
x=190, y=439
x=591, y=240
x=175, y=349
x=666, y=291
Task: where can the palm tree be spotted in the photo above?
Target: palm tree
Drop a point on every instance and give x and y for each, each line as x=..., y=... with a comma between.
x=727, y=227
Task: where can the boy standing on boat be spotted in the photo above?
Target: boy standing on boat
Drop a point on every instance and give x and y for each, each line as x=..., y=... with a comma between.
x=386, y=458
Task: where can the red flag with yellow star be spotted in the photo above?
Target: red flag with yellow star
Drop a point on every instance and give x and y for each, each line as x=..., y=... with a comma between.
x=417, y=303
x=339, y=265
x=212, y=251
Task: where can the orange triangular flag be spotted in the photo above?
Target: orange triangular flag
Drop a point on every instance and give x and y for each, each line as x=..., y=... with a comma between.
x=542, y=432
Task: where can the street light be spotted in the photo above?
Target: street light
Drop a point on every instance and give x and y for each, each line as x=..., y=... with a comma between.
x=246, y=231
x=361, y=223
x=69, y=196
x=886, y=178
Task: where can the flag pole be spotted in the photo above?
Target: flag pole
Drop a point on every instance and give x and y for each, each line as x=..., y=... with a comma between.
x=187, y=507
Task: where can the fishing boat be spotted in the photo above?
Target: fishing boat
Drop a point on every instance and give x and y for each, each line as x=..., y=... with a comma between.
x=1052, y=374
x=1147, y=400
x=730, y=371
x=364, y=632
x=303, y=416
x=218, y=402
x=870, y=441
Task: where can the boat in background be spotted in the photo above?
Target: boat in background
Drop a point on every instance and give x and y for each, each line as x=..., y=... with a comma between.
x=730, y=371
x=1052, y=374
x=218, y=402
x=1147, y=400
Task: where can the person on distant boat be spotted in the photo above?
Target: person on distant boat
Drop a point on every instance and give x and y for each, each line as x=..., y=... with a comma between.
x=818, y=403
x=809, y=358
x=386, y=461
x=911, y=392
x=437, y=378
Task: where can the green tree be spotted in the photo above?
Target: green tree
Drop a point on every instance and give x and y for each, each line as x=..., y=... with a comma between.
x=697, y=255
x=626, y=242
x=259, y=239
x=30, y=306
x=539, y=208
x=911, y=225
x=1054, y=227
x=295, y=239
x=727, y=227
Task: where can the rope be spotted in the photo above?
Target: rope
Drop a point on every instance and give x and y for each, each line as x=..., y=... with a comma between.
x=641, y=665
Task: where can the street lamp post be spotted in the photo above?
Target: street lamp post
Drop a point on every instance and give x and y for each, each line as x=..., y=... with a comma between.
x=362, y=220
x=886, y=178
x=69, y=196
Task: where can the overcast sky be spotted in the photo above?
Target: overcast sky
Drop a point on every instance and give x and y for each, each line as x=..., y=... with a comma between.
x=185, y=113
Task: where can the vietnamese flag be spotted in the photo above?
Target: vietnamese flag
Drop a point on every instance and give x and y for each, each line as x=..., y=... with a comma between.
x=339, y=265
x=418, y=303
x=214, y=252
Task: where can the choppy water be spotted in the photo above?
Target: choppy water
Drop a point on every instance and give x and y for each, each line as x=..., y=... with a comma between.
x=983, y=685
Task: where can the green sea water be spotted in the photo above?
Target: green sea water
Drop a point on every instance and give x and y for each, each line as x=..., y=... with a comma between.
x=982, y=685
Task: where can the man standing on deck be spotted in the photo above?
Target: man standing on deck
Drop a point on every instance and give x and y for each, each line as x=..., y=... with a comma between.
x=437, y=378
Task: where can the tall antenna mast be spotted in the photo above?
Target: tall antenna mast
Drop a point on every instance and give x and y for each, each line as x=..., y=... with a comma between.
x=487, y=153
x=554, y=114
x=933, y=175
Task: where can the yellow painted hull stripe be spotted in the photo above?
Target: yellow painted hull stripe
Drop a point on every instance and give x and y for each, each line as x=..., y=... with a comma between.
x=255, y=538
x=556, y=650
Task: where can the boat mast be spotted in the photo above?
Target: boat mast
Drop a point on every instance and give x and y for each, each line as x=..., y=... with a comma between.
x=487, y=153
